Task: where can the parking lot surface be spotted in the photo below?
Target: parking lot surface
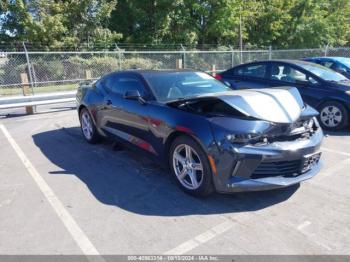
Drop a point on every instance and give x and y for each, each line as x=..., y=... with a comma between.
x=61, y=195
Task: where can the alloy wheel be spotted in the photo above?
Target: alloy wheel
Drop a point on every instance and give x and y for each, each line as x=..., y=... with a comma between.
x=331, y=116
x=86, y=125
x=187, y=166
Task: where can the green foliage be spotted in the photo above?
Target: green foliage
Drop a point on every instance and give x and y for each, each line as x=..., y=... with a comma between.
x=52, y=68
x=301, y=23
x=142, y=63
x=102, y=23
x=58, y=23
x=97, y=65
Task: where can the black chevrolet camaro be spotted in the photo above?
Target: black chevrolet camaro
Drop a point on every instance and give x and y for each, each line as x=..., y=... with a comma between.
x=211, y=137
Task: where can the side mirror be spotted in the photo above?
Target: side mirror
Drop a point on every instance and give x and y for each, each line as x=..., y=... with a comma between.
x=134, y=95
x=312, y=81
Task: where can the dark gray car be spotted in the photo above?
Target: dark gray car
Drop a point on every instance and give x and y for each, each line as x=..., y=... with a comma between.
x=211, y=137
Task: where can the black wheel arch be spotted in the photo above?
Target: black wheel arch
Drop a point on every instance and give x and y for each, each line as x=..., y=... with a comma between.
x=81, y=108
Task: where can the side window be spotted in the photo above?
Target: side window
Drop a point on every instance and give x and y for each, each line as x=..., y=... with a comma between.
x=328, y=64
x=288, y=74
x=110, y=82
x=119, y=84
x=338, y=67
x=130, y=83
x=255, y=70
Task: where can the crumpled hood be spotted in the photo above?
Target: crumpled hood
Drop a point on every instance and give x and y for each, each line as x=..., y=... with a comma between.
x=279, y=105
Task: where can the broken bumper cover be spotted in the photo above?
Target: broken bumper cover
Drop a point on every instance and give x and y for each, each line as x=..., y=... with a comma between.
x=271, y=166
x=236, y=184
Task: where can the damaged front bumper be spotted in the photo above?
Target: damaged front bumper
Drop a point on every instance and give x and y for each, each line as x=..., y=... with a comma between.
x=270, y=166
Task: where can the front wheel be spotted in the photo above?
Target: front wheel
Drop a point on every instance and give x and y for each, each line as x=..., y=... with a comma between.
x=88, y=127
x=333, y=115
x=190, y=167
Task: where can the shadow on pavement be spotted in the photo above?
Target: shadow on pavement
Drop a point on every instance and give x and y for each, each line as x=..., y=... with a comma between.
x=134, y=183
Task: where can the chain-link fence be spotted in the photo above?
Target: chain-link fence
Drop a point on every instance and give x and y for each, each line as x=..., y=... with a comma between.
x=59, y=71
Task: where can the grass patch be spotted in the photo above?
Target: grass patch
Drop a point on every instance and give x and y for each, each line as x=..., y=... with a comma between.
x=38, y=90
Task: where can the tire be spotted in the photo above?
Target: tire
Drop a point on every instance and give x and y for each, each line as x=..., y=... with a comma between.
x=333, y=115
x=88, y=127
x=190, y=167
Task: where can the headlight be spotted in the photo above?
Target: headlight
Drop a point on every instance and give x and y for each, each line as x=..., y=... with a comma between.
x=308, y=124
x=244, y=138
x=317, y=124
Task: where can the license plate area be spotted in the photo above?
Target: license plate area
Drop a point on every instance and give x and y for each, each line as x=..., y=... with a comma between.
x=309, y=161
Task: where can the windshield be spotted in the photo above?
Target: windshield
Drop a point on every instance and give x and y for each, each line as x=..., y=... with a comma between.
x=168, y=86
x=323, y=72
x=345, y=61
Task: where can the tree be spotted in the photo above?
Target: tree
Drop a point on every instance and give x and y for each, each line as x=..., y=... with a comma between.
x=280, y=23
x=142, y=21
x=300, y=23
x=58, y=23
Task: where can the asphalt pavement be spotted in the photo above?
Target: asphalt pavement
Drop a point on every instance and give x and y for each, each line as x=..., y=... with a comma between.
x=61, y=195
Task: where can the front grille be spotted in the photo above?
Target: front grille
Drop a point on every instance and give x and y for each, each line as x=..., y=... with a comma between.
x=281, y=168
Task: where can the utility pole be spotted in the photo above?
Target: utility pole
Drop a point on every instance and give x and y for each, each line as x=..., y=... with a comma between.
x=240, y=35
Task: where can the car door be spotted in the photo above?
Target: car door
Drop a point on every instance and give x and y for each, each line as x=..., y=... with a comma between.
x=127, y=119
x=246, y=76
x=282, y=74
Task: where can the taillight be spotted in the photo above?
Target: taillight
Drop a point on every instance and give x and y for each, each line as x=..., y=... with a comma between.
x=218, y=77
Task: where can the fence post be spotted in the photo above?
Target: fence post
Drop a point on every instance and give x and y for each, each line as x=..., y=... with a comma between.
x=29, y=67
x=119, y=57
x=232, y=56
x=183, y=56
x=326, y=50
x=241, y=53
x=88, y=75
x=179, y=64
x=270, y=52
x=34, y=75
x=213, y=70
x=26, y=92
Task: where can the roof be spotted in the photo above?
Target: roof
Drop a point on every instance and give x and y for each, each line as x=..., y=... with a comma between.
x=141, y=71
x=290, y=61
x=335, y=58
x=145, y=71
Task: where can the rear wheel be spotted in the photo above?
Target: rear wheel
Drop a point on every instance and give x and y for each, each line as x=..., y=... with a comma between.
x=190, y=167
x=88, y=127
x=333, y=115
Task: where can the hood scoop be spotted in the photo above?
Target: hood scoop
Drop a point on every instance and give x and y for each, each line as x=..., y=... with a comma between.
x=279, y=105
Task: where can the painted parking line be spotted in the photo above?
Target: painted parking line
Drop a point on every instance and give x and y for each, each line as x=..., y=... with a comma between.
x=200, y=239
x=335, y=151
x=73, y=228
